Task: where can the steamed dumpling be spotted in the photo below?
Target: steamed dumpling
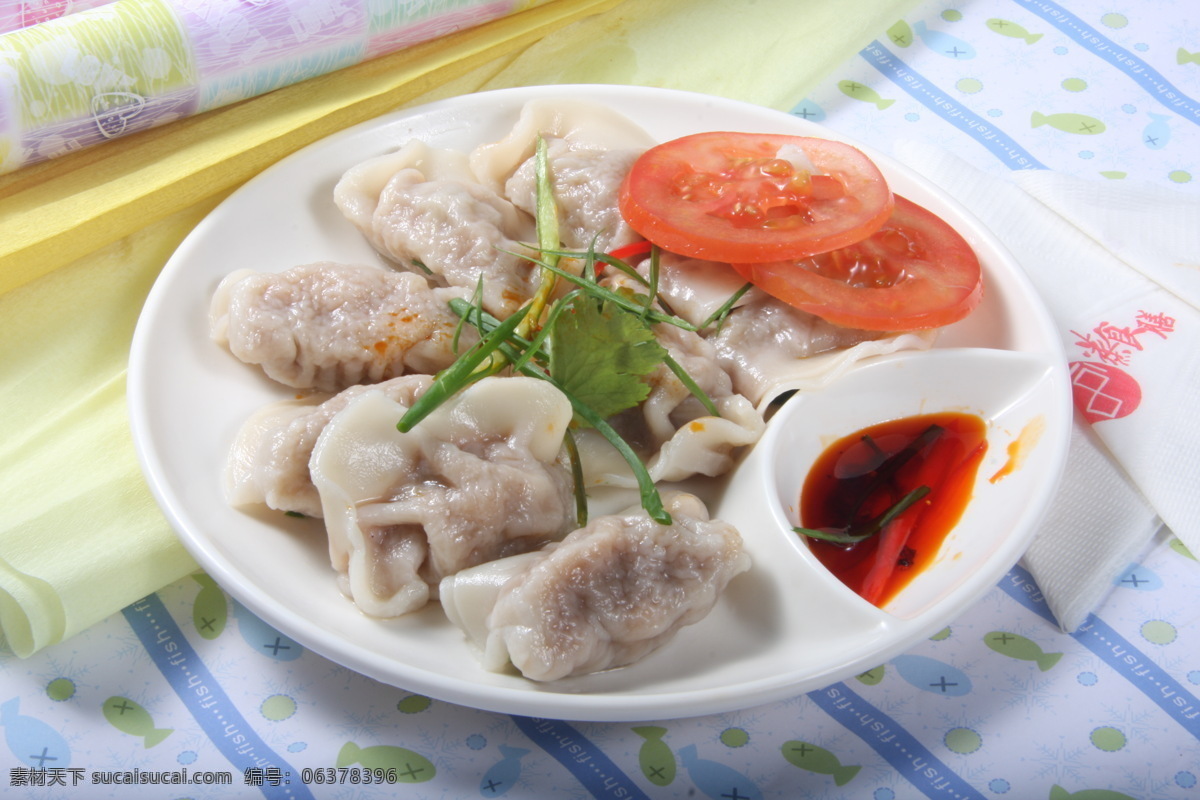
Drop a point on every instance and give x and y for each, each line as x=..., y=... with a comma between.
x=605, y=596
x=585, y=184
x=676, y=436
x=696, y=289
x=326, y=325
x=476, y=480
x=769, y=347
x=589, y=150
x=424, y=210
x=268, y=462
x=582, y=125
x=358, y=192
x=766, y=346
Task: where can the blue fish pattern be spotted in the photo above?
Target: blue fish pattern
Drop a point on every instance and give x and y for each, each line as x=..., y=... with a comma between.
x=1139, y=578
x=944, y=43
x=31, y=741
x=932, y=675
x=716, y=780
x=1157, y=134
x=809, y=109
x=504, y=774
x=263, y=638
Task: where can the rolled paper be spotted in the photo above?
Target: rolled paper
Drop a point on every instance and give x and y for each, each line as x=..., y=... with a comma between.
x=17, y=14
x=76, y=78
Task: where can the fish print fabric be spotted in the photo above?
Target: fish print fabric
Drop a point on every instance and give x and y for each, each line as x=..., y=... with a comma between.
x=1104, y=93
x=999, y=703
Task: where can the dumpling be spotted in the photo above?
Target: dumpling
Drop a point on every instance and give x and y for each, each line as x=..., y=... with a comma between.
x=431, y=214
x=580, y=124
x=766, y=346
x=671, y=429
x=696, y=289
x=680, y=436
x=671, y=404
x=605, y=596
x=706, y=445
x=770, y=347
x=326, y=326
x=358, y=191
x=268, y=462
x=585, y=183
x=476, y=480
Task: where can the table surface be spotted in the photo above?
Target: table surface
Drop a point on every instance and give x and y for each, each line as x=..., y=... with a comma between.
x=999, y=704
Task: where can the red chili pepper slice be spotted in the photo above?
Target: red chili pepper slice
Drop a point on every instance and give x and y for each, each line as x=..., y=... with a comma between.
x=625, y=252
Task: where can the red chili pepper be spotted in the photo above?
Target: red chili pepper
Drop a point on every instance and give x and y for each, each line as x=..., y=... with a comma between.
x=862, y=484
x=892, y=540
x=938, y=470
x=625, y=252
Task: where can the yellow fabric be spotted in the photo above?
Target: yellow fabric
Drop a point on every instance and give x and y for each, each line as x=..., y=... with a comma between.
x=769, y=52
x=81, y=536
x=83, y=237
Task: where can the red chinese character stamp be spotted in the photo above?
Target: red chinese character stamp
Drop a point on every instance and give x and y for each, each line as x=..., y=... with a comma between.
x=1102, y=390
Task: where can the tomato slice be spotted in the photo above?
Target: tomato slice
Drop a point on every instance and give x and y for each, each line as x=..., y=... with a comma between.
x=916, y=272
x=724, y=196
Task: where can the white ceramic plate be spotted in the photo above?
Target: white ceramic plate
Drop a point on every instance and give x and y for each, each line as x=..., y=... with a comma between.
x=783, y=628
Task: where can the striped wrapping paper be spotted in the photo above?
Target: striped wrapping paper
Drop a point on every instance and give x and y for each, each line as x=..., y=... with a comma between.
x=75, y=73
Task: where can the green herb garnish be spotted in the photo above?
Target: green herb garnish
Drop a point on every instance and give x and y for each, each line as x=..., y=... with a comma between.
x=873, y=481
x=594, y=344
x=600, y=354
x=854, y=534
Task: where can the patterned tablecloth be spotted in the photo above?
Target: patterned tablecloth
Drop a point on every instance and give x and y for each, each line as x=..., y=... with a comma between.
x=186, y=685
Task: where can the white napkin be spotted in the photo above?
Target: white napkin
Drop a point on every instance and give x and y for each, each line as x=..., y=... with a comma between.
x=1118, y=265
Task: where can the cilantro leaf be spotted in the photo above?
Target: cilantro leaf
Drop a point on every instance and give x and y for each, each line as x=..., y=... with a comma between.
x=600, y=354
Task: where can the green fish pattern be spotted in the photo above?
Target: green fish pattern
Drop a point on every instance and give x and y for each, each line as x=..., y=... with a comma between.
x=210, y=611
x=410, y=767
x=810, y=757
x=1059, y=793
x=1181, y=548
x=857, y=91
x=871, y=677
x=655, y=757
x=1012, y=30
x=1020, y=648
x=130, y=717
x=900, y=34
x=1183, y=56
x=1080, y=124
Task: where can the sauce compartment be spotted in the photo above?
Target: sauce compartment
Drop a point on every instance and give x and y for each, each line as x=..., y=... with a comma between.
x=1009, y=390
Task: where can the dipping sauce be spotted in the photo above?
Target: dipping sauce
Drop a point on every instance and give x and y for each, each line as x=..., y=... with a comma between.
x=891, y=493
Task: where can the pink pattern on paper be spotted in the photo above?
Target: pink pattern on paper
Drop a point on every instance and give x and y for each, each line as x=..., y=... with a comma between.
x=233, y=37
x=1114, y=345
x=17, y=14
x=436, y=27
x=1101, y=389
